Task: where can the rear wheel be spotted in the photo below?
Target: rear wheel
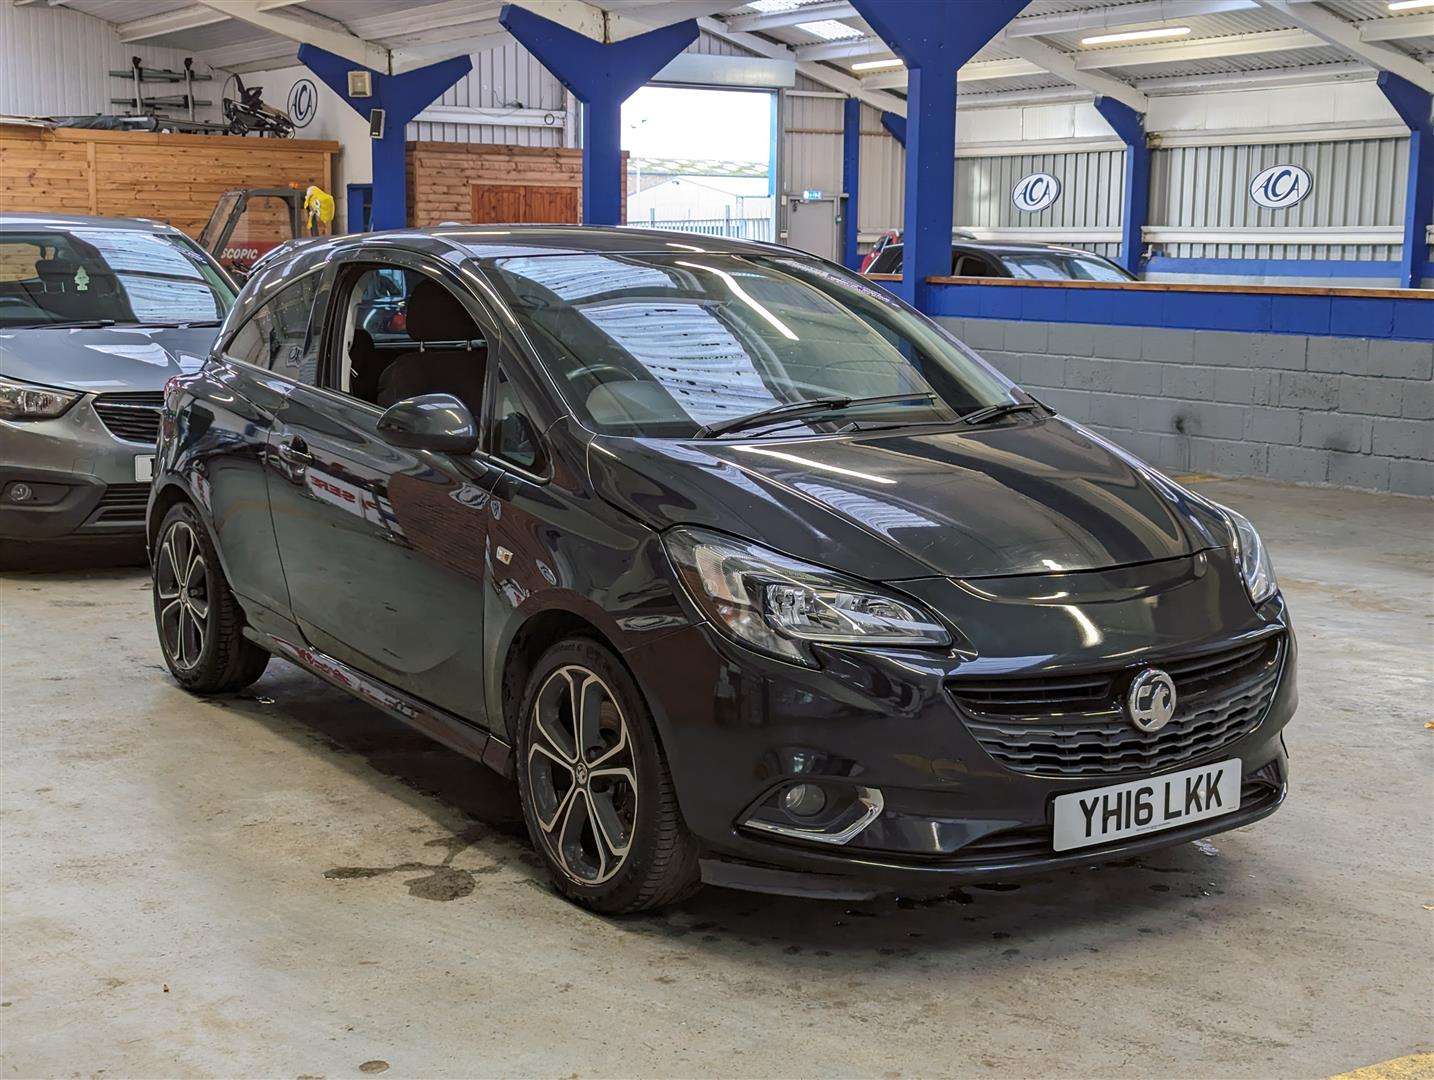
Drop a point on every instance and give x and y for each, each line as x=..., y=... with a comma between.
x=596, y=792
x=199, y=621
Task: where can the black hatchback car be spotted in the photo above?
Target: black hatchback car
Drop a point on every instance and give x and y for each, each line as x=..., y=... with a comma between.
x=746, y=571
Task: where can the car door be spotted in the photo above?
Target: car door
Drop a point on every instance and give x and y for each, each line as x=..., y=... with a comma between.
x=382, y=546
x=226, y=427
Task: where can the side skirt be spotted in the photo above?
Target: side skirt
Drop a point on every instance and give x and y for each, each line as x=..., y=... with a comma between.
x=437, y=724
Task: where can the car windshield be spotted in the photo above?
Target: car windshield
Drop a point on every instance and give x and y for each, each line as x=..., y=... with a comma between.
x=674, y=345
x=1061, y=266
x=87, y=274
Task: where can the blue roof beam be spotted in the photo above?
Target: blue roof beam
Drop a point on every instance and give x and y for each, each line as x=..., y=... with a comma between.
x=1129, y=125
x=933, y=40
x=1414, y=105
x=401, y=97
x=602, y=76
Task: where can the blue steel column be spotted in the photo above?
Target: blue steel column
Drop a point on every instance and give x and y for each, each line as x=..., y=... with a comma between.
x=602, y=77
x=1129, y=125
x=402, y=97
x=851, y=181
x=933, y=39
x=1414, y=106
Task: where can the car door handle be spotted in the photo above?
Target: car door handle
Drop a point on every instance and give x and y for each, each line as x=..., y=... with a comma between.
x=295, y=451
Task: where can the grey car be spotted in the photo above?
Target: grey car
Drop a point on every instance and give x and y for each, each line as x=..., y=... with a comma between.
x=96, y=315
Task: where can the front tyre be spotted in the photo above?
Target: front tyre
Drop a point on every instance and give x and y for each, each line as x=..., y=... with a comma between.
x=596, y=792
x=199, y=621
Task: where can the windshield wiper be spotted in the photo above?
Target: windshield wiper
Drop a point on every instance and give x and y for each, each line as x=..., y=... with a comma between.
x=183, y=325
x=76, y=324
x=995, y=412
x=803, y=408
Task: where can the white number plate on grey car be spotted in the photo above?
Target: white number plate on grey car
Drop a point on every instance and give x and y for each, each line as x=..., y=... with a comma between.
x=1098, y=816
x=143, y=468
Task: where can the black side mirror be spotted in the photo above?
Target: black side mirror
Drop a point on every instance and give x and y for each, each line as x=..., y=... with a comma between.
x=437, y=422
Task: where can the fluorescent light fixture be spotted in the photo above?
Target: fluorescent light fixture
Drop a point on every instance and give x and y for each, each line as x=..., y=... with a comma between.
x=875, y=65
x=830, y=30
x=1137, y=35
x=767, y=6
x=1409, y=5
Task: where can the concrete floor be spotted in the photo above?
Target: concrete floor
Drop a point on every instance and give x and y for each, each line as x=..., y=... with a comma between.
x=288, y=884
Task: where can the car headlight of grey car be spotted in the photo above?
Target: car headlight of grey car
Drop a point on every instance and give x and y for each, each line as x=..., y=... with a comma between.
x=776, y=603
x=26, y=401
x=1250, y=554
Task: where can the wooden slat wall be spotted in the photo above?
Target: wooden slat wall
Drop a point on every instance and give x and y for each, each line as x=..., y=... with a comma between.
x=441, y=175
x=173, y=178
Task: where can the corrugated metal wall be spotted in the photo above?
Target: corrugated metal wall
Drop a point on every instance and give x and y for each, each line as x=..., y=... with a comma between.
x=811, y=143
x=57, y=63
x=1358, y=182
x=883, y=172
x=509, y=76
x=1092, y=188
x=506, y=77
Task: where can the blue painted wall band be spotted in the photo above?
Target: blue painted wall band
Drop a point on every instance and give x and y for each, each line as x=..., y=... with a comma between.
x=1272, y=313
x=1331, y=268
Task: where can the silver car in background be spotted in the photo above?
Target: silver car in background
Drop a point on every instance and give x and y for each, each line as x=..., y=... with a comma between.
x=96, y=315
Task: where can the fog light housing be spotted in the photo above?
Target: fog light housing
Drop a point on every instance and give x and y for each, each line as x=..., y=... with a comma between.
x=32, y=493
x=824, y=812
x=804, y=800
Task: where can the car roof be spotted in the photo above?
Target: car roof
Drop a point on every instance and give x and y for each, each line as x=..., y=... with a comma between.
x=496, y=241
x=1009, y=247
x=21, y=219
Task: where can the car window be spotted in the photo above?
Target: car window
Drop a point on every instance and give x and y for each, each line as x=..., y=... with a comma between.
x=277, y=336
x=888, y=261
x=125, y=276
x=663, y=345
x=1062, y=266
x=401, y=333
x=968, y=265
x=515, y=434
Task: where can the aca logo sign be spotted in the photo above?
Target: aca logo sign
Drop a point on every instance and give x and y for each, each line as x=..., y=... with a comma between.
x=1035, y=192
x=1280, y=186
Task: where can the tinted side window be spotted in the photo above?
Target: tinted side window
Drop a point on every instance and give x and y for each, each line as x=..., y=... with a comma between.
x=515, y=435
x=888, y=261
x=276, y=336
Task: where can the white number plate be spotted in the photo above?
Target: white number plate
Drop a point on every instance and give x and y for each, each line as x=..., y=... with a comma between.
x=143, y=468
x=1084, y=818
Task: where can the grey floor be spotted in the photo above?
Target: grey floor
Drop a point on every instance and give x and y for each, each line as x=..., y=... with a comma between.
x=288, y=884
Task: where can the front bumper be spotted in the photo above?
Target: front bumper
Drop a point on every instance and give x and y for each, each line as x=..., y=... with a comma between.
x=82, y=478
x=737, y=725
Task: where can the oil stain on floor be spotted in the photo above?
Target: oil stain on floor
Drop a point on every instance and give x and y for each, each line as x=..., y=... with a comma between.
x=436, y=881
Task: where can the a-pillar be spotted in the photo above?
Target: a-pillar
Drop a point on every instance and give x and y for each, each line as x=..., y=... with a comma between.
x=401, y=97
x=601, y=76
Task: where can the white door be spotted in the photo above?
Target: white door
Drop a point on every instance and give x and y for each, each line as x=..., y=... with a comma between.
x=811, y=226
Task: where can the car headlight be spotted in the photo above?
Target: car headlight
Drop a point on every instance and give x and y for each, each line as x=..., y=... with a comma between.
x=776, y=603
x=26, y=401
x=1250, y=554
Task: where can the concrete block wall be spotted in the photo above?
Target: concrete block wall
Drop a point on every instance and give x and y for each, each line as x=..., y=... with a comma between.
x=1351, y=412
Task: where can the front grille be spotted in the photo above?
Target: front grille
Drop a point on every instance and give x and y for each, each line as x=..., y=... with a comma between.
x=133, y=417
x=1032, y=843
x=121, y=504
x=1075, y=725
